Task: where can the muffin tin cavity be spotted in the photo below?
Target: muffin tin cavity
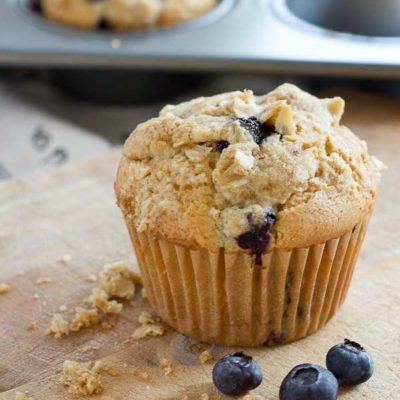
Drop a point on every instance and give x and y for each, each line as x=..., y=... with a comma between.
x=360, y=17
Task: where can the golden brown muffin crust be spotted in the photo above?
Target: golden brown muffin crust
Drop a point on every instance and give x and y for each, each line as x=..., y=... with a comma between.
x=195, y=174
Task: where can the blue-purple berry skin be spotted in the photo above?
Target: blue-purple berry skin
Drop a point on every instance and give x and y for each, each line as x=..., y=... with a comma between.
x=258, y=237
x=351, y=363
x=258, y=130
x=309, y=382
x=221, y=145
x=236, y=374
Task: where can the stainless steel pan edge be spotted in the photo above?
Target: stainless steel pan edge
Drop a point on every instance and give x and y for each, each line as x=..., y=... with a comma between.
x=240, y=35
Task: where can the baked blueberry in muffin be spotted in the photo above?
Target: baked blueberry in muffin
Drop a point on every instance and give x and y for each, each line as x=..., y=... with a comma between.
x=258, y=130
x=258, y=237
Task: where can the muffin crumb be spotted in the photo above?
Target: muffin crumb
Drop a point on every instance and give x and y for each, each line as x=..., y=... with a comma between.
x=4, y=288
x=205, y=357
x=58, y=326
x=166, y=365
x=84, y=378
x=84, y=319
x=44, y=280
x=117, y=280
x=149, y=330
x=148, y=327
x=145, y=318
x=92, y=278
x=81, y=378
x=100, y=299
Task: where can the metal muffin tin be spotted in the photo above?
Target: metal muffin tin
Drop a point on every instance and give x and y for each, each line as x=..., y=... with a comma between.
x=285, y=36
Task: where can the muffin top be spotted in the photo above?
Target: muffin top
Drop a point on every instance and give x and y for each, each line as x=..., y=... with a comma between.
x=247, y=173
x=123, y=14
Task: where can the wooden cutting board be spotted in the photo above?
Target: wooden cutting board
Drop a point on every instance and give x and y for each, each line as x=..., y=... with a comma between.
x=71, y=212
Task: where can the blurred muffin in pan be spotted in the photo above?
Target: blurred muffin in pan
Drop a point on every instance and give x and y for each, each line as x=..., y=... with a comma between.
x=122, y=14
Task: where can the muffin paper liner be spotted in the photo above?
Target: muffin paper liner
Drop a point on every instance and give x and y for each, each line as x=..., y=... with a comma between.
x=226, y=299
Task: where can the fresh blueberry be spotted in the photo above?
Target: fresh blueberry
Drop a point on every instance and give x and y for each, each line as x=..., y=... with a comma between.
x=236, y=374
x=221, y=144
x=36, y=5
x=350, y=363
x=258, y=130
x=258, y=238
x=309, y=382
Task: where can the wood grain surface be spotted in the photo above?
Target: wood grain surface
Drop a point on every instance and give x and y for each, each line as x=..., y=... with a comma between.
x=71, y=212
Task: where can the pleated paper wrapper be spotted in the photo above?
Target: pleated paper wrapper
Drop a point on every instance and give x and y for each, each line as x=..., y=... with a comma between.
x=226, y=299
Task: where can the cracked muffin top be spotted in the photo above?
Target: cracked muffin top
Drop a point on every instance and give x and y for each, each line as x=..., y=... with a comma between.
x=122, y=14
x=247, y=173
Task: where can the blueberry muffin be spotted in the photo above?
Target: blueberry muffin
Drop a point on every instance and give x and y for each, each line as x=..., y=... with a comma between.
x=122, y=14
x=247, y=213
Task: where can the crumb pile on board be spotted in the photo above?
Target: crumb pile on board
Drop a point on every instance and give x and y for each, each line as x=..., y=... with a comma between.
x=116, y=283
